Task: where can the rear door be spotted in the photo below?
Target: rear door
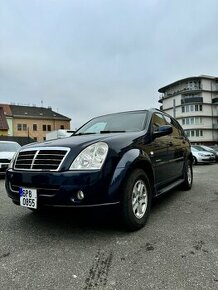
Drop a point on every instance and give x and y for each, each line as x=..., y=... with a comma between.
x=159, y=153
x=177, y=148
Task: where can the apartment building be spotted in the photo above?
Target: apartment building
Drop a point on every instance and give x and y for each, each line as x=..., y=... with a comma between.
x=193, y=101
x=31, y=121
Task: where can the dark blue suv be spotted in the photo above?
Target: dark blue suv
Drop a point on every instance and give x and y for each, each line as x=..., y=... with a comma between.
x=123, y=158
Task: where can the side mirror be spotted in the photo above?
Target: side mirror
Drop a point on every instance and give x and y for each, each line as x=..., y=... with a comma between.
x=163, y=131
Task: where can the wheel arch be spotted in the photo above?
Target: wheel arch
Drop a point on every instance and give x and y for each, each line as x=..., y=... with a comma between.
x=146, y=166
x=132, y=159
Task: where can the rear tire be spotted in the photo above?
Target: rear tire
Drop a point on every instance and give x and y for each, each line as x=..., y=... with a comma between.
x=136, y=200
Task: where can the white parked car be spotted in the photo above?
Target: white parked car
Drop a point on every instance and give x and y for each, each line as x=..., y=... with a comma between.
x=7, y=151
x=202, y=156
x=206, y=148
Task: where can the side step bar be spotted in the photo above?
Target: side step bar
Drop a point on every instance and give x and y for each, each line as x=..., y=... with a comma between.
x=169, y=187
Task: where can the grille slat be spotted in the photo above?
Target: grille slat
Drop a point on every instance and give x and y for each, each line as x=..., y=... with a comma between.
x=41, y=159
x=49, y=191
x=5, y=160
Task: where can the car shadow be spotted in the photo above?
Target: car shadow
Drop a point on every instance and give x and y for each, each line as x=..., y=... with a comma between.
x=74, y=220
x=104, y=219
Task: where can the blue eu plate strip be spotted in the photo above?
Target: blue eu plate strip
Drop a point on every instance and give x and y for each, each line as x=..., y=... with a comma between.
x=20, y=191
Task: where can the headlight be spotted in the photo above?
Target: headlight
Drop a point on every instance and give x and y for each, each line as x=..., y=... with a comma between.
x=11, y=164
x=91, y=158
x=202, y=154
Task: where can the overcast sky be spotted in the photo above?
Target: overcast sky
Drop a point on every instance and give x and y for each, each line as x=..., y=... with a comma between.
x=90, y=57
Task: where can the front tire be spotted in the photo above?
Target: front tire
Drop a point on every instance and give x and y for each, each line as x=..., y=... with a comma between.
x=195, y=161
x=188, y=175
x=136, y=201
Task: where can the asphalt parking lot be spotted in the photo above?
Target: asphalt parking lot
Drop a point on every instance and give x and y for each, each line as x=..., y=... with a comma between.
x=177, y=249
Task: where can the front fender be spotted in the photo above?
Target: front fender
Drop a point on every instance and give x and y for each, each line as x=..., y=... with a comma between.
x=126, y=162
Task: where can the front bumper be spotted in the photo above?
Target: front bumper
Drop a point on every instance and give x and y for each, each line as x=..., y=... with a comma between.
x=207, y=159
x=61, y=188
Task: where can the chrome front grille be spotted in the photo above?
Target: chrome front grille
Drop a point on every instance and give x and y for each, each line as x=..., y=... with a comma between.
x=41, y=159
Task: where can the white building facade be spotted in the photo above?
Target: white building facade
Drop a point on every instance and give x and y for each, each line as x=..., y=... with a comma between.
x=193, y=102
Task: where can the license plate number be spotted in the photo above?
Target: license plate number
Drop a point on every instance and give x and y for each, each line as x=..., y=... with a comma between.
x=28, y=197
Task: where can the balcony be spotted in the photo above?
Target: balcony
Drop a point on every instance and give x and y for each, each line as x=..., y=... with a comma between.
x=192, y=100
x=183, y=91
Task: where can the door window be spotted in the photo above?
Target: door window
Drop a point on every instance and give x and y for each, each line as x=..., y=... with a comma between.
x=157, y=121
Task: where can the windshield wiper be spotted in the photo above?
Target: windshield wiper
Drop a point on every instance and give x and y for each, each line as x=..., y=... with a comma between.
x=112, y=131
x=79, y=134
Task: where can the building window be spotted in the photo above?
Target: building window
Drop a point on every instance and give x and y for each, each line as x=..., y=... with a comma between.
x=187, y=133
x=62, y=127
x=34, y=127
x=35, y=139
x=198, y=120
x=191, y=108
x=46, y=127
x=192, y=121
x=194, y=133
x=21, y=127
x=44, y=138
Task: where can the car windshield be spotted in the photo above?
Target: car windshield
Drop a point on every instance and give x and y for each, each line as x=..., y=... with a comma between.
x=120, y=122
x=9, y=147
x=199, y=148
x=194, y=149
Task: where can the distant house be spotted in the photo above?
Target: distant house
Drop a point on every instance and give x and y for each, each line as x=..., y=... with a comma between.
x=30, y=121
x=193, y=101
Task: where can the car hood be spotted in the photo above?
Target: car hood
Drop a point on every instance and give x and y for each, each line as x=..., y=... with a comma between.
x=83, y=141
x=115, y=141
x=7, y=155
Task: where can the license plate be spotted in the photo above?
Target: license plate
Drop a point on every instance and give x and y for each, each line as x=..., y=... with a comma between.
x=28, y=197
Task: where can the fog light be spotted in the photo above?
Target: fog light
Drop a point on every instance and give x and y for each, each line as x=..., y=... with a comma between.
x=80, y=195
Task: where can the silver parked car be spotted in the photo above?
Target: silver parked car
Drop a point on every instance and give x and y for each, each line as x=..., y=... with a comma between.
x=202, y=156
x=212, y=150
x=7, y=152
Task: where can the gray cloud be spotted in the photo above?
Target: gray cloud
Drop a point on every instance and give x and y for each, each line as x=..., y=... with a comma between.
x=87, y=58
